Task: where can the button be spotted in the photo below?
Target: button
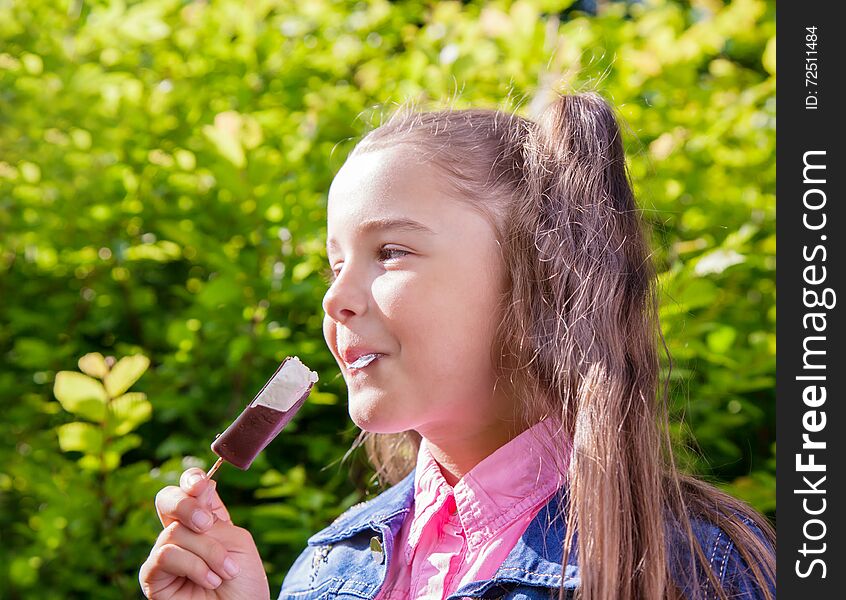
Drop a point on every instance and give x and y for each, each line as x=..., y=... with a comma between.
x=376, y=549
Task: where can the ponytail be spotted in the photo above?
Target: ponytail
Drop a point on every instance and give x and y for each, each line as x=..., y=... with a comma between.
x=601, y=351
x=627, y=499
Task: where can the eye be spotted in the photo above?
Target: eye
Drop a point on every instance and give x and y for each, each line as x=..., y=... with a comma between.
x=392, y=252
x=329, y=276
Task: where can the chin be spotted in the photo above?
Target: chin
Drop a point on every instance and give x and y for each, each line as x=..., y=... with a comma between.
x=372, y=418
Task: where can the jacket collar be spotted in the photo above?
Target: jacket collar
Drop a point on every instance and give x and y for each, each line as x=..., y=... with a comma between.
x=534, y=560
x=390, y=505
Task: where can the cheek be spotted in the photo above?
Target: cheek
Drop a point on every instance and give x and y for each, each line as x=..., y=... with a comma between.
x=445, y=323
x=468, y=320
x=329, y=332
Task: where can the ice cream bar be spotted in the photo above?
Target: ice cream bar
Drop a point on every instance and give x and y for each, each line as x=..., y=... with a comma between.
x=272, y=408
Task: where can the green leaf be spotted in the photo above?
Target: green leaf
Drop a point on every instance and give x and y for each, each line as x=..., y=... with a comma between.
x=125, y=373
x=238, y=348
x=94, y=364
x=80, y=437
x=33, y=353
x=721, y=339
x=129, y=411
x=80, y=395
x=163, y=251
x=220, y=292
x=684, y=294
x=22, y=572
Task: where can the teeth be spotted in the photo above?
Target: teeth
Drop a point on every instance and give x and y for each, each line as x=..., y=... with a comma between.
x=363, y=361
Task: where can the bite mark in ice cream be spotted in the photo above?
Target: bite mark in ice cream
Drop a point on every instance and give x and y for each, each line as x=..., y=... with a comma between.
x=270, y=411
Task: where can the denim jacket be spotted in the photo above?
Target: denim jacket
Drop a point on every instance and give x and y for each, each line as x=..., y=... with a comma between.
x=349, y=558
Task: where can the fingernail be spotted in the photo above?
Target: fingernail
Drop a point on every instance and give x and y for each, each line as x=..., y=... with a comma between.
x=221, y=514
x=201, y=519
x=194, y=479
x=213, y=579
x=230, y=567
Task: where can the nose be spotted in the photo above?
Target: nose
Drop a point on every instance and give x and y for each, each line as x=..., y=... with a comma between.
x=346, y=297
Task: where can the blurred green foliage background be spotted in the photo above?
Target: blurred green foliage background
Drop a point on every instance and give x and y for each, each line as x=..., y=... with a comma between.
x=164, y=167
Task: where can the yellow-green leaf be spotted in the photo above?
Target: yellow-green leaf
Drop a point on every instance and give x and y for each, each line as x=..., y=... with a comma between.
x=80, y=437
x=92, y=462
x=111, y=460
x=125, y=444
x=721, y=339
x=125, y=373
x=94, y=364
x=225, y=134
x=769, y=57
x=80, y=395
x=322, y=398
x=251, y=133
x=129, y=411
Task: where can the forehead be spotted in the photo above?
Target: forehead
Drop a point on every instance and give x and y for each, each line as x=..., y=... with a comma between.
x=386, y=188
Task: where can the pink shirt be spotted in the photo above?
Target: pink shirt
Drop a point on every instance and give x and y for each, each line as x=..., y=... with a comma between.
x=458, y=535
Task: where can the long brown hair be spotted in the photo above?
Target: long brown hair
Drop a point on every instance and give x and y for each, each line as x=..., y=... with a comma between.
x=578, y=339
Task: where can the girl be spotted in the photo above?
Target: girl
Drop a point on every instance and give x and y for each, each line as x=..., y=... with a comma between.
x=498, y=271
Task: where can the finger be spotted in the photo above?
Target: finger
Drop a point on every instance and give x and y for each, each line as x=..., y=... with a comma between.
x=216, y=505
x=210, y=550
x=173, y=504
x=195, y=483
x=170, y=561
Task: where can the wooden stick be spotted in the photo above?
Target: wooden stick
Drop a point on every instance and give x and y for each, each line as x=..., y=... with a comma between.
x=214, y=468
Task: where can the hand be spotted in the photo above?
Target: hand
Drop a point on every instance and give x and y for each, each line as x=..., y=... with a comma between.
x=201, y=553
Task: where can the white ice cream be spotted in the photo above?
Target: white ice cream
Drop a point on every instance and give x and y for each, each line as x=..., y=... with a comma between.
x=287, y=385
x=363, y=361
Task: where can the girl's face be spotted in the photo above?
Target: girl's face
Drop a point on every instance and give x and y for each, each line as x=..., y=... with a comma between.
x=422, y=294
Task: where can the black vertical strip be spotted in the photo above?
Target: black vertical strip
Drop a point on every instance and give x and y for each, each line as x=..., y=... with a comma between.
x=811, y=228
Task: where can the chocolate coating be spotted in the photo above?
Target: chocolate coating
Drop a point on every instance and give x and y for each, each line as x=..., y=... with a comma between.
x=252, y=431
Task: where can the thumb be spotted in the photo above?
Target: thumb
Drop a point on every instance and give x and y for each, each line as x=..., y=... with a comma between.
x=195, y=483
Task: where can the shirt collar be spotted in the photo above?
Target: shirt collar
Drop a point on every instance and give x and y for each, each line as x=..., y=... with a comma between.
x=516, y=478
x=535, y=560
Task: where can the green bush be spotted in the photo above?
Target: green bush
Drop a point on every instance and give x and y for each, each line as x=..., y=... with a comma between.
x=163, y=176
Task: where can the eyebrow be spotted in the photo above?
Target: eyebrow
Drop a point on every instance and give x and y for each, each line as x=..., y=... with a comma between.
x=401, y=224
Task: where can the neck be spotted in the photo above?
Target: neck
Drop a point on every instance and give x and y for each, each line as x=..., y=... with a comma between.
x=457, y=455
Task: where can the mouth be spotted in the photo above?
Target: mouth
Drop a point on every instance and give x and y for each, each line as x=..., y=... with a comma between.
x=362, y=361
